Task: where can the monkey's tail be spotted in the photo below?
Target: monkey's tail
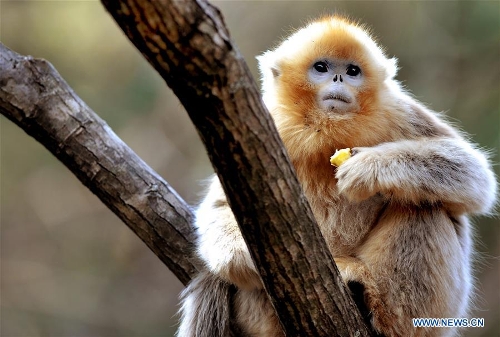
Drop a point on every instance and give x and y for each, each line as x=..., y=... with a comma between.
x=206, y=306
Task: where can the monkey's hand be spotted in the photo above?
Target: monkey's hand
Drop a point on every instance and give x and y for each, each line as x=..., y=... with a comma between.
x=220, y=244
x=357, y=177
x=435, y=170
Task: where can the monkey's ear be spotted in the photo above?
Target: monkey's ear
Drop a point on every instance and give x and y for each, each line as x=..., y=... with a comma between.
x=391, y=67
x=268, y=62
x=276, y=72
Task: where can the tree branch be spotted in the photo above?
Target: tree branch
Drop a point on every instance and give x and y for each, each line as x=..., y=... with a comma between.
x=189, y=45
x=37, y=99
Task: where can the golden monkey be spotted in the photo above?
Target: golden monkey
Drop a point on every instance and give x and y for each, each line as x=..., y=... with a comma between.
x=394, y=214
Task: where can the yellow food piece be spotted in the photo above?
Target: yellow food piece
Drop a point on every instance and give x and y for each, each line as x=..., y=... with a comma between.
x=340, y=156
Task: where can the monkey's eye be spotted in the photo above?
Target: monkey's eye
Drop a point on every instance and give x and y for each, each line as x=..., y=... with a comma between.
x=320, y=67
x=353, y=70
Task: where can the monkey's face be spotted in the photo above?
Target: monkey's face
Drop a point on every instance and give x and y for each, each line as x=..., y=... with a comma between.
x=327, y=86
x=337, y=85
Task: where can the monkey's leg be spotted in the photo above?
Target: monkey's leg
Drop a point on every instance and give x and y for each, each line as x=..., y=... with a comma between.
x=220, y=244
x=419, y=260
x=363, y=287
x=255, y=315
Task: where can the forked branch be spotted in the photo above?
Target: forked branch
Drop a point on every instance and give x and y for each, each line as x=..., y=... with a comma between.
x=189, y=45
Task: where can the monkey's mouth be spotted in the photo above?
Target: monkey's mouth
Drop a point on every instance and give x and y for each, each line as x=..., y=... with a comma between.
x=336, y=102
x=337, y=97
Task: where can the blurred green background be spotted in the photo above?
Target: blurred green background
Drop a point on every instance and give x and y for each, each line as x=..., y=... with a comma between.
x=69, y=267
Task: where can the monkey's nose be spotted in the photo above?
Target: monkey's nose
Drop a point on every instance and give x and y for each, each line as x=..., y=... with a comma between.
x=335, y=78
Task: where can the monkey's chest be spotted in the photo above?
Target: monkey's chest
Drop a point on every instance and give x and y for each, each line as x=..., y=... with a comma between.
x=345, y=224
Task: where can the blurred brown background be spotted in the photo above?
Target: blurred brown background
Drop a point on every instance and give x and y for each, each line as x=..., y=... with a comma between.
x=69, y=267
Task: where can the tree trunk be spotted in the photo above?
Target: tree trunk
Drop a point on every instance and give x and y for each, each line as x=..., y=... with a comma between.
x=189, y=45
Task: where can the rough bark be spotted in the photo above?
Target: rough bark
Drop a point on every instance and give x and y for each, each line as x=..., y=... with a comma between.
x=37, y=99
x=189, y=45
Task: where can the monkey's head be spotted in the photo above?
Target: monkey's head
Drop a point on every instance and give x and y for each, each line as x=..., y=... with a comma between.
x=327, y=84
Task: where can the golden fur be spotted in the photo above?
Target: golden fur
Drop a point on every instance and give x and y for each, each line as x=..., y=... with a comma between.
x=394, y=215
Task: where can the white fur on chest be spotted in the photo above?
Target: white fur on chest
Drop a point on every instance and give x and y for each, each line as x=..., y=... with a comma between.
x=344, y=224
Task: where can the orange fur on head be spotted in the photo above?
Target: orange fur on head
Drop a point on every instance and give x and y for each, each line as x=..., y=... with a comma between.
x=291, y=98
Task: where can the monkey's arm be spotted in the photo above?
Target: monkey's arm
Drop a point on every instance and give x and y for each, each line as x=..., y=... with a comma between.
x=435, y=170
x=220, y=244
